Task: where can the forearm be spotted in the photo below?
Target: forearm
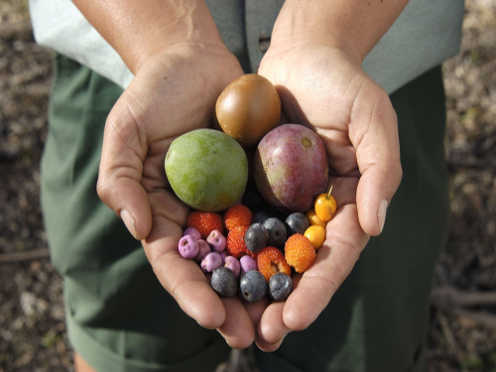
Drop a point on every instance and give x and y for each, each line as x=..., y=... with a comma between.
x=352, y=25
x=139, y=29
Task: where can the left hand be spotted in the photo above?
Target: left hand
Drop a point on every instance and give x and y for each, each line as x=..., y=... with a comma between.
x=325, y=88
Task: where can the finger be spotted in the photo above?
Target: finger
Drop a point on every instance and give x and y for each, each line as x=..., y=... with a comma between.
x=271, y=330
x=335, y=259
x=121, y=166
x=237, y=330
x=255, y=310
x=182, y=278
x=373, y=131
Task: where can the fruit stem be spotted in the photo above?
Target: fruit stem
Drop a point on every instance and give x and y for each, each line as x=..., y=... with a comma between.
x=330, y=191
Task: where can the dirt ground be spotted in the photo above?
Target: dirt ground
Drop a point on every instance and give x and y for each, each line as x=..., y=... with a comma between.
x=462, y=335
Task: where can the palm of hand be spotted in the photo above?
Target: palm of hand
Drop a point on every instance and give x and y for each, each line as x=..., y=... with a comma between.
x=321, y=87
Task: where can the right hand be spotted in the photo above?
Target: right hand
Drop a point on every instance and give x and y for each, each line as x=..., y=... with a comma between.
x=174, y=92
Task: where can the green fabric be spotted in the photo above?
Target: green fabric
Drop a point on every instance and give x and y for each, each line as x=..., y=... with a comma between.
x=120, y=319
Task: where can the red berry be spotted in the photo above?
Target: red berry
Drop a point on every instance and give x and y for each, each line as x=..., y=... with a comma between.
x=237, y=215
x=270, y=261
x=205, y=222
x=236, y=242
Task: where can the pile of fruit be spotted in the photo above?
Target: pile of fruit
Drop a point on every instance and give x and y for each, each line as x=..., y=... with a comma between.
x=254, y=239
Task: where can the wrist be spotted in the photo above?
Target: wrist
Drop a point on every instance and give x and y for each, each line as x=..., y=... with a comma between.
x=351, y=26
x=138, y=30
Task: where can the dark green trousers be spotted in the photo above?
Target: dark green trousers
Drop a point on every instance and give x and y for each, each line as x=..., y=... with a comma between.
x=120, y=319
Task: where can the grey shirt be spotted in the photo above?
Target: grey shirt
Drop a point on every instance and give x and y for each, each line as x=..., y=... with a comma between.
x=425, y=34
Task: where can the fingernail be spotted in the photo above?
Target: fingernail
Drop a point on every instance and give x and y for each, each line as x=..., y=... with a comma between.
x=381, y=213
x=128, y=221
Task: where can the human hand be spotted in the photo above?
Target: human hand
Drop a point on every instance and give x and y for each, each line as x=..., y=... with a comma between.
x=325, y=87
x=173, y=92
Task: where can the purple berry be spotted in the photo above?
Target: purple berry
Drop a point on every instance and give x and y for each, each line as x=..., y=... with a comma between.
x=260, y=216
x=297, y=223
x=277, y=232
x=203, y=250
x=212, y=261
x=187, y=247
x=247, y=263
x=224, y=282
x=280, y=286
x=217, y=240
x=256, y=237
x=191, y=231
x=253, y=286
x=233, y=264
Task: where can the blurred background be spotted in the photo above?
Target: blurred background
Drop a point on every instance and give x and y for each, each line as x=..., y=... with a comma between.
x=462, y=334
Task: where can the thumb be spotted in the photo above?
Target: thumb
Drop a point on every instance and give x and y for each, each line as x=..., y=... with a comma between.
x=121, y=167
x=373, y=132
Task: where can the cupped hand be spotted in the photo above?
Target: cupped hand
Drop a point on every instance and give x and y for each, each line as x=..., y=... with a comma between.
x=326, y=88
x=173, y=92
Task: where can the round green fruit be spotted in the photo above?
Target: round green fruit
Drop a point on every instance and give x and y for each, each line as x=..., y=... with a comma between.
x=207, y=169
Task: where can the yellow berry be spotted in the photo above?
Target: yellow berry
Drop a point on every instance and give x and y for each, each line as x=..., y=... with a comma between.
x=325, y=207
x=314, y=219
x=316, y=234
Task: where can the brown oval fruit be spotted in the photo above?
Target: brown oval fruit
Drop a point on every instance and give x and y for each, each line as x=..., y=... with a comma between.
x=248, y=108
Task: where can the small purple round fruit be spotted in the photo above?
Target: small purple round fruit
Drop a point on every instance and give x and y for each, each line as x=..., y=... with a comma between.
x=217, y=240
x=256, y=237
x=280, y=286
x=247, y=263
x=277, y=231
x=191, y=231
x=233, y=264
x=203, y=250
x=212, y=261
x=297, y=223
x=253, y=286
x=187, y=247
x=224, y=282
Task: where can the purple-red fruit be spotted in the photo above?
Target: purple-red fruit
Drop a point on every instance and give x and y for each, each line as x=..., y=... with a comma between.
x=233, y=264
x=203, y=250
x=212, y=261
x=247, y=263
x=217, y=240
x=187, y=247
x=291, y=167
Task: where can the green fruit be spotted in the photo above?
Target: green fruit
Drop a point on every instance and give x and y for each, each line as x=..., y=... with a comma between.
x=207, y=169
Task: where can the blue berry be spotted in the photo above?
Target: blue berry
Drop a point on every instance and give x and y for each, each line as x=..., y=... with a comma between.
x=224, y=282
x=260, y=216
x=280, y=286
x=297, y=223
x=277, y=231
x=253, y=286
x=256, y=237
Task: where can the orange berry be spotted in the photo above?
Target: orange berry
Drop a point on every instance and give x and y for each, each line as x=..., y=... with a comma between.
x=325, y=206
x=237, y=215
x=270, y=261
x=314, y=219
x=316, y=234
x=205, y=222
x=235, y=242
x=299, y=252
